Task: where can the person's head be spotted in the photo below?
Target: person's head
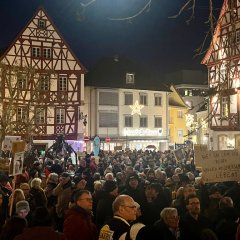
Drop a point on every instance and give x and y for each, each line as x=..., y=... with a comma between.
x=98, y=185
x=111, y=188
x=133, y=180
x=225, y=202
x=193, y=205
x=125, y=207
x=83, y=199
x=170, y=217
x=188, y=190
x=41, y=217
x=18, y=195
x=36, y=183
x=25, y=188
x=80, y=182
x=150, y=175
x=155, y=188
x=64, y=178
x=22, y=208
x=109, y=176
x=52, y=178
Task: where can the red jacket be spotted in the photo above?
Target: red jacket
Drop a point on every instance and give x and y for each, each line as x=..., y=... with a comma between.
x=39, y=233
x=78, y=225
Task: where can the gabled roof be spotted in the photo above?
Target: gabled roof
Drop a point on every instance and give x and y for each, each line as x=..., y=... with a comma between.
x=55, y=28
x=111, y=72
x=216, y=33
x=175, y=99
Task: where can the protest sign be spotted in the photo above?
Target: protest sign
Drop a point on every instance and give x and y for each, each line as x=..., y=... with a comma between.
x=178, y=153
x=7, y=142
x=199, y=151
x=220, y=166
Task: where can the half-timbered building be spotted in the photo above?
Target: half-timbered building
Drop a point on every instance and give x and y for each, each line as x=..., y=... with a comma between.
x=223, y=62
x=42, y=82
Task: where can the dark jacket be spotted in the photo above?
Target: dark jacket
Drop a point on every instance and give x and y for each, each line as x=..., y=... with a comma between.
x=39, y=233
x=104, y=209
x=163, y=230
x=78, y=225
x=117, y=226
x=192, y=229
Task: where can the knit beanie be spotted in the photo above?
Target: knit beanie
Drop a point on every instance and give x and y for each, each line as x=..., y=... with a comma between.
x=109, y=186
x=22, y=205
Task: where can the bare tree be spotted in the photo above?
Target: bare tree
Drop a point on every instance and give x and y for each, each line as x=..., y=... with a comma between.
x=21, y=101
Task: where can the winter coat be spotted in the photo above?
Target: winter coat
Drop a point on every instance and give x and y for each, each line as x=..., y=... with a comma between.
x=78, y=225
x=39, y=233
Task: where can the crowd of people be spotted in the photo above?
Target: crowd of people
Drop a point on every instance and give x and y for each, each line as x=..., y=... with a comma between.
x=122, y=195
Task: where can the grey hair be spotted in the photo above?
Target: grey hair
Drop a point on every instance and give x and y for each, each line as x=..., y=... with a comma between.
x=166, y=212
x=119, y=201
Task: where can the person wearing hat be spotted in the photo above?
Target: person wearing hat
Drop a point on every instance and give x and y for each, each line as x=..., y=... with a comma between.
x=22, y=209
x=104, y=206
x=133, y=188
x=63, y=192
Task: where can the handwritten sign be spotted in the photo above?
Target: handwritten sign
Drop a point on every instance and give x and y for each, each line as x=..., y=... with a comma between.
x=200, y=150
x=220, y=166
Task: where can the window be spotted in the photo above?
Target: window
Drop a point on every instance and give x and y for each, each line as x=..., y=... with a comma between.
x=225, y=107
x=44, y=83
x=22, y=82
x=158, y=100
x=21, y=114
x=130, y=78
x=62, y=83
x=108, y=98
x=108, y=119
x=40, y=116
x=143, y=121
x=36, y=52
x=223, y=74
x=128, y=121
x=41, y=23
x=157, y=122
x=143, y=99
x=47, y=52
x=179, y=114
x=60, y=116
x=128, y=98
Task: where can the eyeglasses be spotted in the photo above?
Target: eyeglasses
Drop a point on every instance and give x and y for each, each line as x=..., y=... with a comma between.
x=87, y=199
x=132, y=207
x=194, y=203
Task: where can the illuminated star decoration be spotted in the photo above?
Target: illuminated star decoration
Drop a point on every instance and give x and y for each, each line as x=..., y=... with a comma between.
x=136, y=108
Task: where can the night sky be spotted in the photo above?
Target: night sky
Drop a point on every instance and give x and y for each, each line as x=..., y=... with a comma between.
x=152, y=39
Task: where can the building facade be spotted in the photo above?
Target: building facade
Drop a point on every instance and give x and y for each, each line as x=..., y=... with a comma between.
x=127, y=118
x=42, y=84
x=223, y=62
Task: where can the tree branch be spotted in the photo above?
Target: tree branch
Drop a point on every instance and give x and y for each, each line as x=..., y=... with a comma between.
x=145, y=7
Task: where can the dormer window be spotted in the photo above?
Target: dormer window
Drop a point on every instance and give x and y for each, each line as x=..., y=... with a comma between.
x=130, y=78
x=41, y=24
